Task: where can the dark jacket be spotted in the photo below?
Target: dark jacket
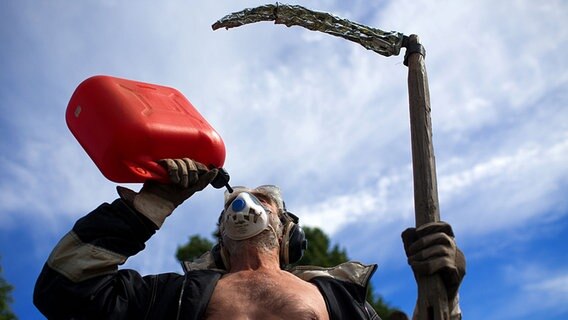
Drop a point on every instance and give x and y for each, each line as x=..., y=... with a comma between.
x=81, y=280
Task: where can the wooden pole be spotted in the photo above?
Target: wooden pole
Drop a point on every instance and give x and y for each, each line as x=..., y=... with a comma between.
x=432, y=301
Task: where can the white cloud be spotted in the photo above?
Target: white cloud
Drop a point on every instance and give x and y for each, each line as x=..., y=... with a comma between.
x=541, y=289
x=325, y=119
x=376, y=203
x=556, y=287
x=511, y=189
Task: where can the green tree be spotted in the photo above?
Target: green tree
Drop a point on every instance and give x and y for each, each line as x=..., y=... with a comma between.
x=195, y=247
x=5, y=299
x=319, y=253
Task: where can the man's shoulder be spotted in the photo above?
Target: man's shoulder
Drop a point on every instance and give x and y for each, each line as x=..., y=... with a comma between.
x=204, y=262
x=351, y=271
x=344, y=287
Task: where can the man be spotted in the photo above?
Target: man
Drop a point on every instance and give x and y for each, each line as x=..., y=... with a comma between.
x=244, y=277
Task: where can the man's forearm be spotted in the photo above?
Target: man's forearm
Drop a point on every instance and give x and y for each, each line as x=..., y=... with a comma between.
x=100, y=241
x=96, y=246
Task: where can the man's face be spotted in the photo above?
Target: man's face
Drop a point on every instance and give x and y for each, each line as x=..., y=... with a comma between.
x=265, y=200
x=270, y=193
x=271, y=207
x=249, y=212
x=273, y=214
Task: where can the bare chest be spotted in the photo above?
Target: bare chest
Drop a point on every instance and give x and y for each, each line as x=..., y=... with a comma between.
x=260, y=296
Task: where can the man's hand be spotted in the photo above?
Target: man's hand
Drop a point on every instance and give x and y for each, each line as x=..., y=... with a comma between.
x=186, y=178
x=431, y=249
x=157, y=200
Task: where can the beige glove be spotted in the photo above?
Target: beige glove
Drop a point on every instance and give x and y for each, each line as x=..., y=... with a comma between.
x=431, y=249
x=158, y=200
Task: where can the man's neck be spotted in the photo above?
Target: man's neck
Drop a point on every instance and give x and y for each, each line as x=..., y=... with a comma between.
x=251, y=258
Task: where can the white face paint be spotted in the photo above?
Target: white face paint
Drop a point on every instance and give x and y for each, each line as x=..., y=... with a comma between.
x=245, y=217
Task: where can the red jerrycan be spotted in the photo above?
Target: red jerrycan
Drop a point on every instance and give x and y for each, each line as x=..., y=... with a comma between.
x=125, y=126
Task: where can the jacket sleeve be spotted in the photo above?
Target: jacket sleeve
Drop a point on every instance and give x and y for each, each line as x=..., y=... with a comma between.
x=81, y=280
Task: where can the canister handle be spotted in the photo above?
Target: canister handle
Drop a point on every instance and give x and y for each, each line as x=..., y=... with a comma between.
x=149, y=170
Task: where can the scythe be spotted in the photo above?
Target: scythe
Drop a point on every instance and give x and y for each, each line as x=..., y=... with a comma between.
x=432, y=298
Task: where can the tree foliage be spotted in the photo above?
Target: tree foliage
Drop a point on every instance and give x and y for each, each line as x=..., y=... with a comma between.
x=194, y=248
x=5, y=299
x=320, y=252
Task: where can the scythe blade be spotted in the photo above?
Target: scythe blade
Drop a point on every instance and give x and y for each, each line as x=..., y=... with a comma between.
x=383, y=43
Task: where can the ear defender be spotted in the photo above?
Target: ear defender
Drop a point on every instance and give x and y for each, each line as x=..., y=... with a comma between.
x=294, y=242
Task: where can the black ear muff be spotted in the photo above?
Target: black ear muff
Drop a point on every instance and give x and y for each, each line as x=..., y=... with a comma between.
x=294, y=242
x=297, y=245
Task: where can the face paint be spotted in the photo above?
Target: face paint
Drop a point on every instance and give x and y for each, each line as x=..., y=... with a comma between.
x=245, y=217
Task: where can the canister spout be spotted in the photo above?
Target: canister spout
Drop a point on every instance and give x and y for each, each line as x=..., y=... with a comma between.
x=222, y=180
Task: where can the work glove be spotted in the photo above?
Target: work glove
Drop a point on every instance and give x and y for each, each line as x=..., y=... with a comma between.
x=431, y=249
x=157, y=200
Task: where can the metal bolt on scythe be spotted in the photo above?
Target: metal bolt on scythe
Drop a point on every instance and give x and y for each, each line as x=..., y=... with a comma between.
x=432, y=297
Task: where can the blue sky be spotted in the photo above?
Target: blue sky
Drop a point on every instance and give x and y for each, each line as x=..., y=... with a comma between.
x=325, y=119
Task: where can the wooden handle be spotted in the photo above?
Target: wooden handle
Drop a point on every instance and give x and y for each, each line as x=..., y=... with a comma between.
x=432, y=298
